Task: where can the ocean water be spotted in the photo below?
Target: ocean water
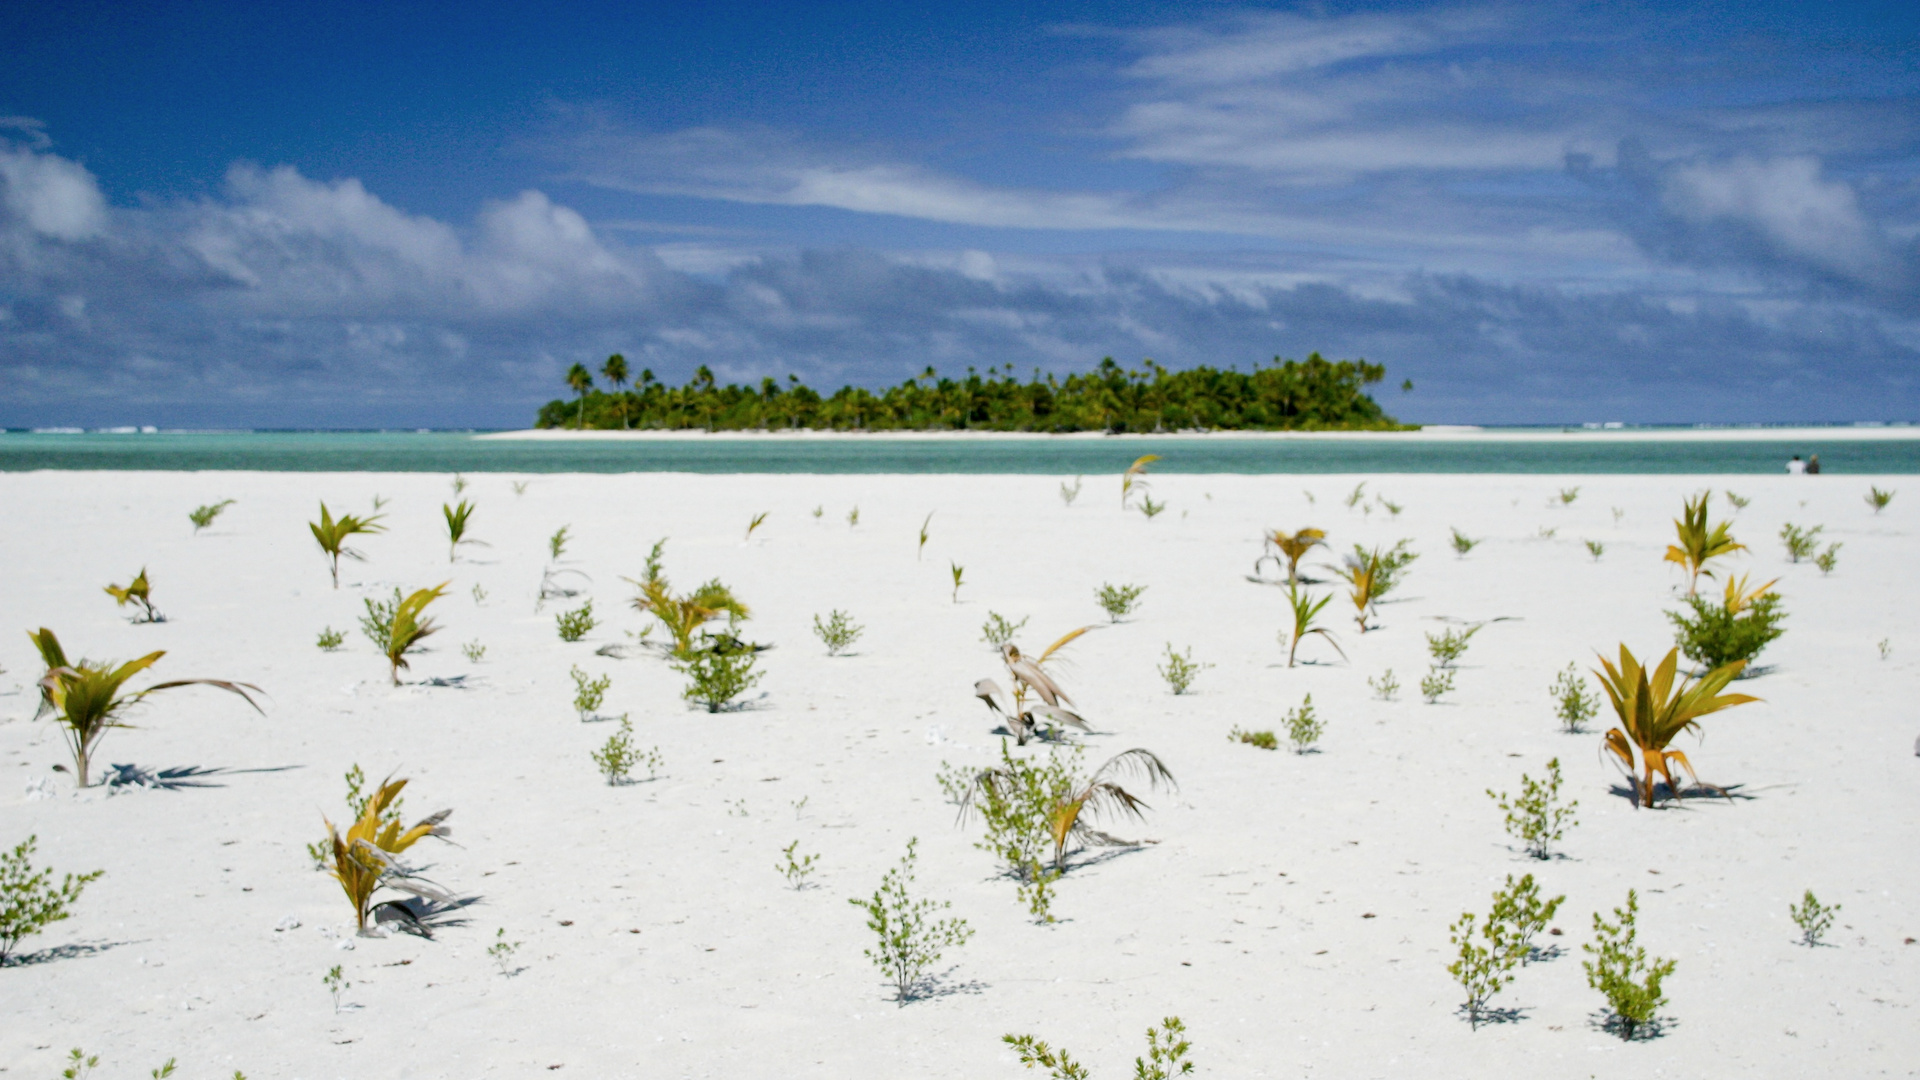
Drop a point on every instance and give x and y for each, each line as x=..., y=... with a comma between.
x=447, y=452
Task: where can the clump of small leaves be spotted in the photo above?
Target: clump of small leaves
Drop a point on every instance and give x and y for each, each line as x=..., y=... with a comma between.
x=1813, y=918
x=1450, y=646
x=1392, y=508
x=838, y=633
x=203, y=516
x=1800, y=543
x=997, y=631
x=1357, y=496
x=1568, y=495
x=1519, y=915
x=1828, y=559
x=1885, y=646
x=479, y=593
x=1166, y=1054
x=1545, y=533
x=335, y=980
x=140, y=592
x=1436, y=682
x=1149, y=507
x=853, y=518
x=1265, y=740
x=377, y=623
x=1304, y=727
x=1180, y=669
x=29, y=900
x=1118, y=600
x=1621, y=971
x=1463, y=544
x=1878, y=499
x=1573, y=702
x=1483, y=964
x=474, y=651
x=330, y=639
x=959, y=573
x=818, y=511
x=1596, y=549
x=80, y=1064
x=459, y=483
x=796, y=866
x=617, y=756
x=1738, y=502
x=910, y=937
x=589, y=693
x=1618, y=513
x=1737, y=628
x=501, y=952
x=557, y=543
x=574, y=625
x=520, y=486
x=1386, y=687
x=1068, y=493
x=1535, y=817
x=717, y=672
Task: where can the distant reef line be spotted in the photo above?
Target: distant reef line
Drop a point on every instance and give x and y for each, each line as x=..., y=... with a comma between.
x=1315, y=394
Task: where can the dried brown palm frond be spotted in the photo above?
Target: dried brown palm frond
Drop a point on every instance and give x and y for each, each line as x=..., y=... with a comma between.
x=1290, y=548
x=1101, y=795
x=1029, y=675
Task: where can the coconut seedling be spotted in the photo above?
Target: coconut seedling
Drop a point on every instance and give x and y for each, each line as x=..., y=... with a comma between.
x=1878, y=499
x=1697, y=542
x=921, y=551
x=1653, y=712
x=1305, y=610
x=1361, y=572
x=1289, y=548
x=457, y=518
x=759, y=519
x=137, y=591
x=1135, y=477
x=365, y=859
x=682, y=615
x=85, y=698
x=1029, y=676
x=410, y=626
x=332, y=534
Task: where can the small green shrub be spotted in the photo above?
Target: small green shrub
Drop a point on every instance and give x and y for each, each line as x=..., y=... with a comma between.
x=330, y=640
x=1573, y=702
x=1535, y=817
x=479, y=593
x=1463, y=544
x=1068, y=494
x=853, y=518
x=797, y=867
x=1622, y=973
x=1265, y=740
x=838, y=633
x=1149, y=507
x=1118, y=600
x=1596, y=549
x=1567, y=495
x=1878, y=499
x=1800, y=543
x=589, y=693
x=1885, y=645
x=959, y=574
x=29, y=901
x=501, y=951
x=1180, y=670
x=335, y=980
x=997, y=631
x=79, y=1064
x=1436, y=682
x=1738, y=502
x=1813, y=918
x=474, y=651
x=1304, y=727
x=1450, y=646
x=1715, y=635
x=1519, y=915
x=1166, y=1054
x=1386, y=687
x=557, y=543
x=1828, y=559
x=574, y=625
x=911, y=939
x=717, y=674
x=617, y=757
x=203, y=516
x=357, y=799
x=1483, y=963
x=377, y=623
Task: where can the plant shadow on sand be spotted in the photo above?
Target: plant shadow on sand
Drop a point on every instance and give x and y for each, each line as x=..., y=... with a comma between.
x=177, y=777
x=1664, y=796
x=61, y=952
x=1646, y=1031
x=944, y=985
x=1491, y=1015
x=421, y=916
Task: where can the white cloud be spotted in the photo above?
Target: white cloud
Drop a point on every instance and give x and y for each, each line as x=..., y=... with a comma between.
x=1787, y=201
x=51, y=195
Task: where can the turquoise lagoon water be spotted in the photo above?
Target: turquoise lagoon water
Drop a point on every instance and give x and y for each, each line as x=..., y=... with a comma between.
x=445, y=452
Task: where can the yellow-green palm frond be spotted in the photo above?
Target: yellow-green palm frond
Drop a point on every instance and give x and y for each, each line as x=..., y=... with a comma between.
x=411, y=626
x=1739, y=597
x=1653, y=712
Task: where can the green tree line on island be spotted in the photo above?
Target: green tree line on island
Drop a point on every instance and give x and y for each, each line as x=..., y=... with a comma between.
x=1309, y=395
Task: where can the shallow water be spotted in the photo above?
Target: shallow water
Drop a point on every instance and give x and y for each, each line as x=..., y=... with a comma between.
x=463, y=452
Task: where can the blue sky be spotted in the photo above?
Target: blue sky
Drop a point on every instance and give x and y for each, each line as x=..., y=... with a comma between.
x=392, y=214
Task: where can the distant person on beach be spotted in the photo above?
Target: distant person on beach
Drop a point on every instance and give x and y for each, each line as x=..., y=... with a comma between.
x=1796, y=467
x=1813, y=465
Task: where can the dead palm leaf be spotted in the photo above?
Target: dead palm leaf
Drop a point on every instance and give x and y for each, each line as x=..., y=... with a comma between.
x=1652, y=713
x=85, y=698
x=1101, y=795
x=1290, y=548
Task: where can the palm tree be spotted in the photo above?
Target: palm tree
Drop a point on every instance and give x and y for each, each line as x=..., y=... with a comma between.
x=581, y=380
x=615, y=369
x=1652, y=712
x=1699, y=542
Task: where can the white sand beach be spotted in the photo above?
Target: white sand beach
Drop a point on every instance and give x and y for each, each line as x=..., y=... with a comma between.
x=1292, y=909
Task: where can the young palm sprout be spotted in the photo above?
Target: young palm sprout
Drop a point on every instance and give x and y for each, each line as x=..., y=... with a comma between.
x=682, y=615
x=1652, y=713
x=1135, y=477
x=364, y=859
x=457, y=518
x=332, y=535
x=1290, y=548
x=1698, y=543
x=1361, y=573
x=85, y=697
x=1305, y=610
x=137, y=591
x=1030, y=677
x=409, y=627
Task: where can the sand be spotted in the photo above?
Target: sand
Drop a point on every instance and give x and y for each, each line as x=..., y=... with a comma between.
x=1293, y=909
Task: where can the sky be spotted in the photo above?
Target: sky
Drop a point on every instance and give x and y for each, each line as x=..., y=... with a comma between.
x=378, y=215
